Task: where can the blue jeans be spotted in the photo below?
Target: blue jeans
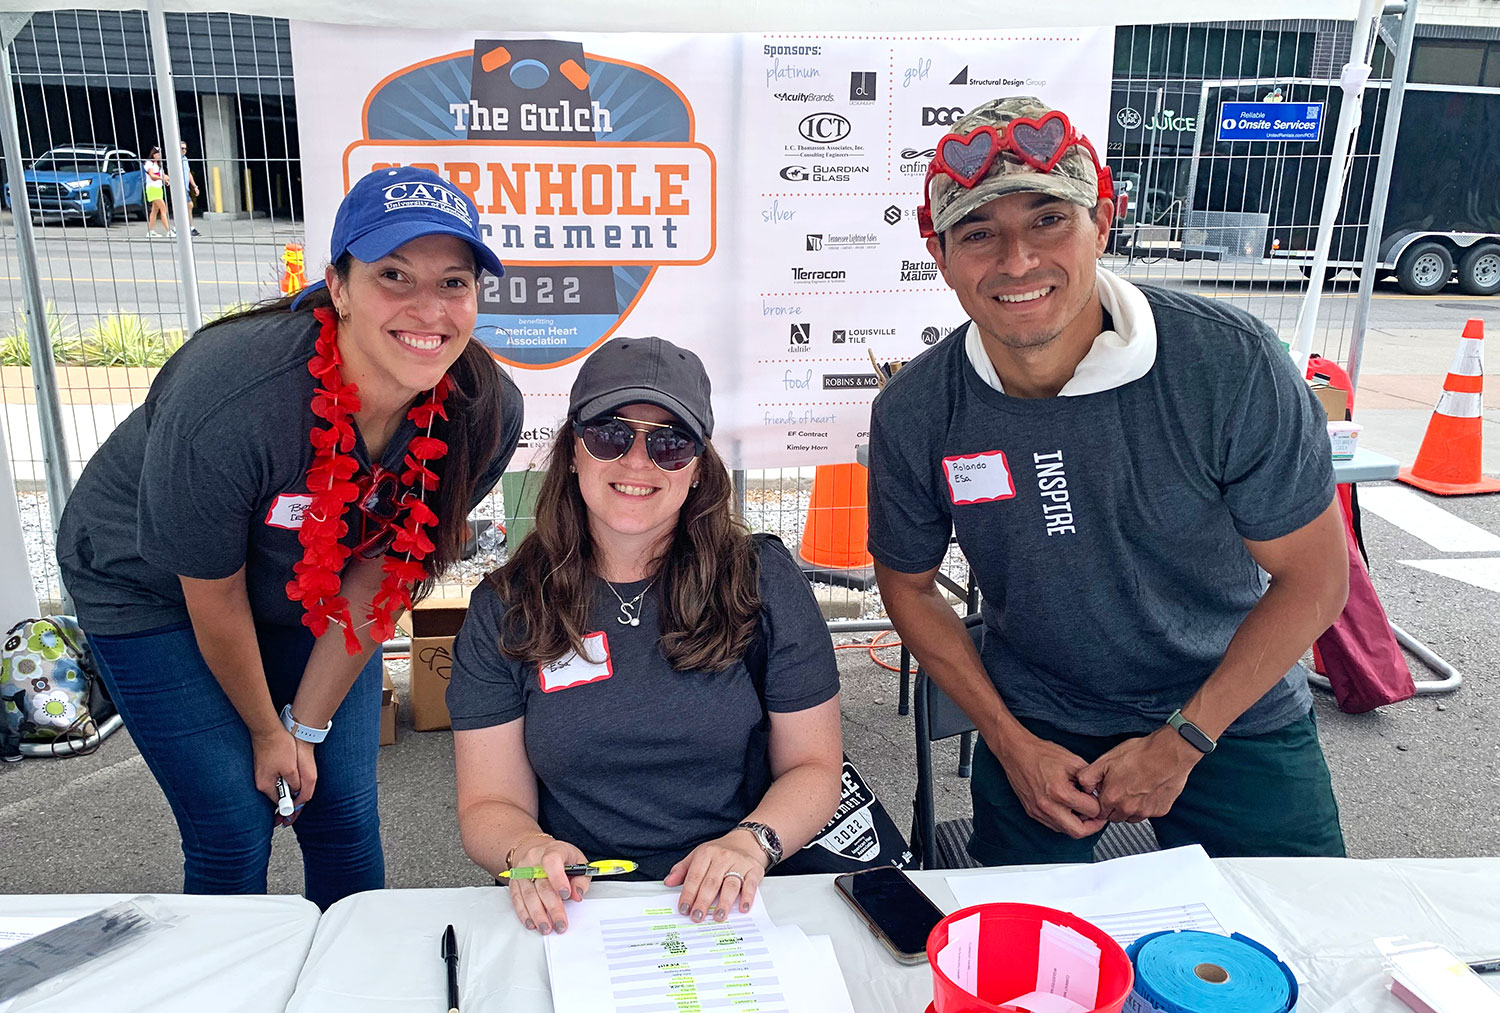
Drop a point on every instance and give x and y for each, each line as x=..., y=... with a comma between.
x=199, y=750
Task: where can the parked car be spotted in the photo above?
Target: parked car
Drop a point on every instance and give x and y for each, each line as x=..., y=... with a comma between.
x=96, y=183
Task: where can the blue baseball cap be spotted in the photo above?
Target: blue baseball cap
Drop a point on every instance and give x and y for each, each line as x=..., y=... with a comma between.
x=388, y=208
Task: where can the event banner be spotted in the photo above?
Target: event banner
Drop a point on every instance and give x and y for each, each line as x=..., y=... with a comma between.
x=752, y=197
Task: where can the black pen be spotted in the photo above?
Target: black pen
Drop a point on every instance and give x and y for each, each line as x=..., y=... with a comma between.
x=450, y=957
x=1485, y=966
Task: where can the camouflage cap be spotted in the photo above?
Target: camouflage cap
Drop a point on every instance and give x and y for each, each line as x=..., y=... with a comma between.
x=1074, y=178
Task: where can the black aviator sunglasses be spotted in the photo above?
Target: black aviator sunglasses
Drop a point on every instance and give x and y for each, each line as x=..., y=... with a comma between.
x=610, y=437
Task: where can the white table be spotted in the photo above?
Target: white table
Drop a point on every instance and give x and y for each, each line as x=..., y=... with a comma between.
x=226, y=954
x=378, y=951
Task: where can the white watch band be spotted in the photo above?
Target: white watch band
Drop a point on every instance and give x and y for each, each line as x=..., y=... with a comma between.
x=301, y=731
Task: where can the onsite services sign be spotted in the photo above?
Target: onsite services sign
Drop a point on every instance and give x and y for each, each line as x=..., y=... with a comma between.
x=751, y=197
x=1270, y=121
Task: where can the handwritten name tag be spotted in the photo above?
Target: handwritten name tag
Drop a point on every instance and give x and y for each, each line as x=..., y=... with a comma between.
x=572, y=670
x=286, y=512
x=979, y=478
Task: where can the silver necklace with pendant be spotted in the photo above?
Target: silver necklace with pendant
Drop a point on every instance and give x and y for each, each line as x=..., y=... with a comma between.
x=628, y=609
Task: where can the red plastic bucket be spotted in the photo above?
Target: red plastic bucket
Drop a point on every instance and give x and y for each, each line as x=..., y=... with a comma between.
x=1009, y=937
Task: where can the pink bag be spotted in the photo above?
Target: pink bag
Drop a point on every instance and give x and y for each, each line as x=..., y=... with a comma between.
x=1359, y=653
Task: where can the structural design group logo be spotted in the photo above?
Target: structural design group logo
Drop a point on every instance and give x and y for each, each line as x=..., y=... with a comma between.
x=584, y=170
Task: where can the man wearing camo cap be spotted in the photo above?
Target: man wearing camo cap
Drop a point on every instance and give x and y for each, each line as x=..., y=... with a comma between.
x=1119, y=464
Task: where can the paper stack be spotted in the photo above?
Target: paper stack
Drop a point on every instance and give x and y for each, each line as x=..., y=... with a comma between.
x=634, y=954
x=1430, y=979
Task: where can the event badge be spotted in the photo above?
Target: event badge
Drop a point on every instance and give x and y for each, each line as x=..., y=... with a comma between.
x=287, y=509
x=979, y=478
x=572, y=670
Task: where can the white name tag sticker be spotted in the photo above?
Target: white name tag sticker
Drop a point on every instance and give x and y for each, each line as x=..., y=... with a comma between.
x=572, y=670
x=286, y=512
x=979, y=478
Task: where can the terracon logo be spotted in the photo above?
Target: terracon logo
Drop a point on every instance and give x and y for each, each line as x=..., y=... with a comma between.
x=531, y=129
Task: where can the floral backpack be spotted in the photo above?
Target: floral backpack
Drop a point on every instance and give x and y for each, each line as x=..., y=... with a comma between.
x=49, y=688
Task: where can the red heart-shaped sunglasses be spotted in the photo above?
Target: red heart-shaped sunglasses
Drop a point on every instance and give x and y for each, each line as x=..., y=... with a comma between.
x=1040, y=143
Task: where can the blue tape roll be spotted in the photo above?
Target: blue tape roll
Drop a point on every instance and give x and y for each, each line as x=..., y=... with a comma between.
x=1200, y=972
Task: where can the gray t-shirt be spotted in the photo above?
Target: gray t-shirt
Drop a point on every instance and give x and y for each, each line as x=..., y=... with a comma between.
x=633, y=758
x=210, y=474
x=1105, y=530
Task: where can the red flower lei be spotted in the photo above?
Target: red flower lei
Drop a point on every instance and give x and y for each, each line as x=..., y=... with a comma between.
x=330, y=480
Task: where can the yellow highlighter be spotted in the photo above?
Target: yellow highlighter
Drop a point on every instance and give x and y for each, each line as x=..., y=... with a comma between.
x=603, y=867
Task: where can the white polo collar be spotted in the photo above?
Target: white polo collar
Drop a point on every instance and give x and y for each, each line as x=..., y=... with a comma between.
x=1117, y=356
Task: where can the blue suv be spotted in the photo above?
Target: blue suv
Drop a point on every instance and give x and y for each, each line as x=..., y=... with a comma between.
x=92, y=182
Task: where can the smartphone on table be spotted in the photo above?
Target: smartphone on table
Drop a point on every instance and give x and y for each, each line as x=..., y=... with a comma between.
x=896, y=911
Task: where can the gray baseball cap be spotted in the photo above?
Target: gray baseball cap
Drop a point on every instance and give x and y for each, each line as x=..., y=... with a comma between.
x=1074, y=178
x=651, y=371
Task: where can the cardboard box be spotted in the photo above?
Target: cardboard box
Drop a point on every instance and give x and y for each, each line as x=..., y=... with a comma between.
x=388, y=707
x=1335, y=400
x=434, y=623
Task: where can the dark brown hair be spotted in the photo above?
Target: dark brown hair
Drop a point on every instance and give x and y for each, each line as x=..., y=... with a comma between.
x=709, y=573
x=472, y=431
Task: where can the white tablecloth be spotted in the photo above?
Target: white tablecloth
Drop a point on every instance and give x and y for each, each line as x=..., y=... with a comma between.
x=226, y=954
x=379, y=951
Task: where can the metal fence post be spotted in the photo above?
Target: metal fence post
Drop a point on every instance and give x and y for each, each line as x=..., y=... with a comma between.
x=1394, y=102
x=43, y=377
x=166, y=93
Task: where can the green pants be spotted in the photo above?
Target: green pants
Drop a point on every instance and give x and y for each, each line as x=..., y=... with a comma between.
x=1254, y=795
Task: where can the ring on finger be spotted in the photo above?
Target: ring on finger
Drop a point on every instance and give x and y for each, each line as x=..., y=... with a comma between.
x=735, y=875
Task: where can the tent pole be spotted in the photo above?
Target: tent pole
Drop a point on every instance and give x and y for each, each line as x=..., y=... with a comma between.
x=1356, y=72
x=38, y=337
x=1373, y=237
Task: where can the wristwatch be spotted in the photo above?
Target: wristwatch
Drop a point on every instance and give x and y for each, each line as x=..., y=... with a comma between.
x=768, y=839
x=304, y=732
x=1195, y=736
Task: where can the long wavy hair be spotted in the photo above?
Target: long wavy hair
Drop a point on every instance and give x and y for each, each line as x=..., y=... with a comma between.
x=708, y=573
x=472, y=430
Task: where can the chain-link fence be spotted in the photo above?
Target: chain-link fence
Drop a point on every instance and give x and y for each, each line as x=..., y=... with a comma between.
x=1230, y=220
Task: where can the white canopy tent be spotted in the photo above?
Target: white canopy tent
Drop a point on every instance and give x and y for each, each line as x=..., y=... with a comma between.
x=740, y=15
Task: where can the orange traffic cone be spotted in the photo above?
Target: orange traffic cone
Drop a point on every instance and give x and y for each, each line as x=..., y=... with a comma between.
x=1450, y=461
x=838, y=519
x=294, y=270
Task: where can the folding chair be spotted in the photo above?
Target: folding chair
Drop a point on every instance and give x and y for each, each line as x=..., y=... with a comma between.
x=944, y=845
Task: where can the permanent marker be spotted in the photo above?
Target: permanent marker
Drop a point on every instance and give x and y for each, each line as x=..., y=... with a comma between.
x=284, y=805
x=450, y=957
x=1485, y=966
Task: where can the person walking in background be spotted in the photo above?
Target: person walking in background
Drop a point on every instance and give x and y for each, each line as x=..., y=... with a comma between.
x=192, y=184
x=156, y=192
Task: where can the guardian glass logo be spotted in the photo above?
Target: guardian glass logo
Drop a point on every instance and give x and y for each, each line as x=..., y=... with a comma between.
x=841, y=173
x=824, y=128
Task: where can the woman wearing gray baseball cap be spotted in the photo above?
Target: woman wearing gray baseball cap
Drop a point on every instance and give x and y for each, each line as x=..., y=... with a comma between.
x=242, y=543
x=610, y=684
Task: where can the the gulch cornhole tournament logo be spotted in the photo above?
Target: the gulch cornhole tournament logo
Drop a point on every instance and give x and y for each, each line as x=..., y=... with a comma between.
x=583, y=168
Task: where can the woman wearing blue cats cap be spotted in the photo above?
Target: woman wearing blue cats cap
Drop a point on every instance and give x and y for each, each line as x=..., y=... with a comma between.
x=242, y=543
